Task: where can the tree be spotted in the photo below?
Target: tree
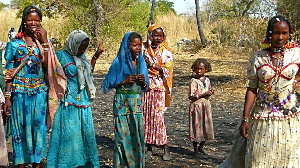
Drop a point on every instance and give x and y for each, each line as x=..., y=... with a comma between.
x=199, y=23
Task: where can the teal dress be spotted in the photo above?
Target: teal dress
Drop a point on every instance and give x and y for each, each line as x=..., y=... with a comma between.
x=128, y=127
x=29, y=103
x=73, y=142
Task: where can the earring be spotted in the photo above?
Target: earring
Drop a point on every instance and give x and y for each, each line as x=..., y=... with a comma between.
x=41, y=23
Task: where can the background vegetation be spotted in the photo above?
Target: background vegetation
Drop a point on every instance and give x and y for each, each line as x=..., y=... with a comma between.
x=235, y=24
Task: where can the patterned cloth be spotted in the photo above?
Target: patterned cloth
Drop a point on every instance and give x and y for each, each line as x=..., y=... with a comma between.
x=158, y=95
x=3, y=149
x=73, y=141
x=274, y=122
x=29, y=107
x=200, y=116
x=129, y=149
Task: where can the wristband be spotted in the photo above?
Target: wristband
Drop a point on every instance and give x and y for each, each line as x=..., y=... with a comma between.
x=197, y=96
x=7, y=94
x=46, y=49
x=45, y=44
x=295, y=81
x=246, y=119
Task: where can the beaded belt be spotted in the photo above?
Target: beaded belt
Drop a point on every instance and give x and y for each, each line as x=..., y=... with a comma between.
x=127, y=92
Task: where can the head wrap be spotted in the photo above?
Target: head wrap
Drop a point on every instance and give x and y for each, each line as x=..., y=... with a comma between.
x=122, y=66
x=83, y=66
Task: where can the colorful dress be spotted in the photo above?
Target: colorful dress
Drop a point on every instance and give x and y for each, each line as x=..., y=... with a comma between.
x=129, y=149
x=73, y=141
x=200, y=115
x=129, y=127
x=29, y=103
x=154, y=105
x=274, y=120
x=3, y=148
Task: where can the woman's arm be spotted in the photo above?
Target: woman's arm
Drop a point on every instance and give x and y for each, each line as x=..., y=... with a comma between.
x=249, y=101
x=96, y=55
x=7, y=104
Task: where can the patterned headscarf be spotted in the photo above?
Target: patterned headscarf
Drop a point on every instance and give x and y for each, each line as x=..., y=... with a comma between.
x=122, y=67
x=85, y=76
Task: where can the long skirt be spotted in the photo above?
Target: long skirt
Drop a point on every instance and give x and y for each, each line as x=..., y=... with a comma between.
x=273, y=143
x=129, y=149
x=28, y=127
x=73, y=141
x=154, y=109
x=200, y=121
x=3, y=148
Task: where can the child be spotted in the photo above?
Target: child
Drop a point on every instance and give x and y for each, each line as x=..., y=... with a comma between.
x=200, y=116
x=128, y=74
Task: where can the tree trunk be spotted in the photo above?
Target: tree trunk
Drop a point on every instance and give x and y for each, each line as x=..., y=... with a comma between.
x=200, y=28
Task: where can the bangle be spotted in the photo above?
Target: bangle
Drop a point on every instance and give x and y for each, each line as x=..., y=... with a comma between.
x=246, y=119
x=197, y=96
x=7, y=94
x=45, y=44
x=46, y=49
x=295, y=81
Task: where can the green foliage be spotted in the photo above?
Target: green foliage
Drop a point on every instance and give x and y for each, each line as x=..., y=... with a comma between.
x=162, y=7
x=2, y=5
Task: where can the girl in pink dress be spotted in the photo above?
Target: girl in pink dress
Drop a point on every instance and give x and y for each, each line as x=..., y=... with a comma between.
x=200, y=115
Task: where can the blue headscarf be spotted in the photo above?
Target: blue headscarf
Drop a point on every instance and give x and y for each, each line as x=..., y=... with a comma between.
x=122, y=67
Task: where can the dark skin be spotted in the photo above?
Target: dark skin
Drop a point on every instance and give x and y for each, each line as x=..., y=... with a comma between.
x=200, y=71
x=135, y=49
x=279, y=38
x=33, y=31
x=158, y=37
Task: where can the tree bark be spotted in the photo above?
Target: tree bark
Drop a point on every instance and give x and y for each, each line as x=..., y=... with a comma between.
x=199, y=23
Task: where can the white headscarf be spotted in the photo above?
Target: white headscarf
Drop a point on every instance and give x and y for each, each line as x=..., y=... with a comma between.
x=85, y=76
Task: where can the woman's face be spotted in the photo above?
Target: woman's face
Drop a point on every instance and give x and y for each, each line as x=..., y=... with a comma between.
x=280, y=34
x=83, y=46
x=135, y=46
x=158, y=36
x=32, y=22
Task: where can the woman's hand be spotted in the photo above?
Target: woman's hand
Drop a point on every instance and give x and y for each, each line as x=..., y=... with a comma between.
x=147, y=61
x=129, y=79
x=9, y=74
x=244, y=129
x=141, y=78
x=6, y=107
x=41, y=33
x=99, y=51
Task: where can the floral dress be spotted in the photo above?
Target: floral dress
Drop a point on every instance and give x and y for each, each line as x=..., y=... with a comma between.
x=129, y=128
x=200, y=115
x=274, y=120
x=154, y=99
x=29, y=103
x=73, y=141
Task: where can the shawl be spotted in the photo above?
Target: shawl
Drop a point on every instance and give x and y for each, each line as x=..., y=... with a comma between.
x=122, y=67
x=162, y=46
x=85, y=76
x=57, y=82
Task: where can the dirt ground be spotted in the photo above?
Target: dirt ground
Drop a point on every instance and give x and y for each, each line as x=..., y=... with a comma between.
x=227, y=78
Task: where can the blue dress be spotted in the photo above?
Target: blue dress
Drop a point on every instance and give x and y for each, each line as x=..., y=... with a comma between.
x=129, y=146
x=29, y=103
x=73, y=141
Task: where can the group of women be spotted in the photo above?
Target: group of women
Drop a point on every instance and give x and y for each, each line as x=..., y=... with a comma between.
x=51, y=91
x=47, y=90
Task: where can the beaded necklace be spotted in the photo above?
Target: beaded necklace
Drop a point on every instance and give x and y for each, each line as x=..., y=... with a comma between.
x=280, y=60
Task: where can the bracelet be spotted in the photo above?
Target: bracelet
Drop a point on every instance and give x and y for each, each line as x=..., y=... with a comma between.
x=45, y=44
x=295, y=81
x=197, y=96
x=246, y=119
x=7, y=94
x=46, y=49
x=145, y=85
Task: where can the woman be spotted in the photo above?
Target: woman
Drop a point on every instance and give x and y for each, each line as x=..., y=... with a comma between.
x=73, y=141
x=271, y=113
x=128, y=74
x=158, y=96
x=26, y=91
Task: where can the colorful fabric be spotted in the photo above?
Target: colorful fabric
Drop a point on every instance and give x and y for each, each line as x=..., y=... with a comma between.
x=3, y=148
x=163, y=58
x=73, y=141
x=28, y=110
x=122, y=67
x=84, y=68
x=129, y=149
x=129, y=145
x=200, y=115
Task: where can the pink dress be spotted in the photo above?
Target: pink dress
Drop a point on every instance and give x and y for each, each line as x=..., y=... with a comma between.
x=3, y=149
x=200, y=115
x=154, y=102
